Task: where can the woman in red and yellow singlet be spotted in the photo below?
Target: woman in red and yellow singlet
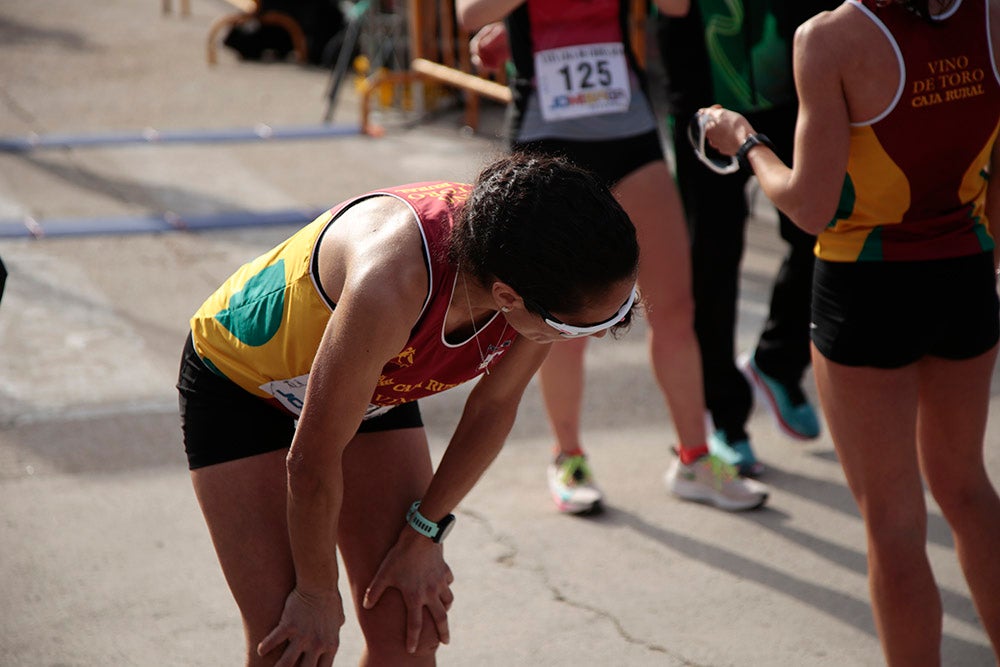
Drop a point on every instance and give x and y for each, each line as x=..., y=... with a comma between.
x=896, y=136
x=300, y=379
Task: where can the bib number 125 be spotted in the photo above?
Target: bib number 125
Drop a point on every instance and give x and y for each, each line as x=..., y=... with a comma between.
x=584, y=80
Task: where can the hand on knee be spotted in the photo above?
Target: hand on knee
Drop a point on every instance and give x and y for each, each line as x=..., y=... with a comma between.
x=428, y=643
x=385, y=630
x=392, y=650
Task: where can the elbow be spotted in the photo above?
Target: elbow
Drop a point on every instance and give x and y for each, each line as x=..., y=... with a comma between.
x=464, y=20
x=506, y=416
x=675, y=7
x=811, y=212
x=471, y=15
x=467, y=19
x=498, y=414
x=304, y=477
x=810, y=219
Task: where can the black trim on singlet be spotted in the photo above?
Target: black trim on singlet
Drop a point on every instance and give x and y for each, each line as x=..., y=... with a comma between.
x=314, y=259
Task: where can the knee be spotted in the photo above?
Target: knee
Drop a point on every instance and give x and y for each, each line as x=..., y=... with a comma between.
x=893, y=533
x=253, y=659
x=961, y=497
x=671, y=316
x=384, y=630
x=382, y=654
x=388, y=648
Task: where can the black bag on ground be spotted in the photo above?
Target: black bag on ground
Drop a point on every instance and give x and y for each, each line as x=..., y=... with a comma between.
x=320, y=20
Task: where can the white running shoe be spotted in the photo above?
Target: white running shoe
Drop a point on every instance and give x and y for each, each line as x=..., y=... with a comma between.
x=711, y=480
x=572, y=485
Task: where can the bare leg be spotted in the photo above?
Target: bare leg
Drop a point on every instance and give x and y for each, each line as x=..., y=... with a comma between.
x=562, y=390
x=872, y=416
x=954, y=402
x=650, y=198
x=384, y=473
x=244, y=505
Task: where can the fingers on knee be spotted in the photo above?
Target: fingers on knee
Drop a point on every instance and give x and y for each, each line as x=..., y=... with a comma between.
x=385, y=635
x=388, y=648
x=428, y=644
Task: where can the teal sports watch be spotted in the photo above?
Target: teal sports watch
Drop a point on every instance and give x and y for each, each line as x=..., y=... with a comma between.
x=436, y=531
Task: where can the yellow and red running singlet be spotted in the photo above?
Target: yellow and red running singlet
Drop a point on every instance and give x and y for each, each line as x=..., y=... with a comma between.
x=915, y=187
x=262, y=327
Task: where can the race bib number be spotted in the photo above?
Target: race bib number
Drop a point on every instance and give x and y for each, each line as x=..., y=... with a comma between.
x=583, y=80
x=291, y=393
x=376, y=411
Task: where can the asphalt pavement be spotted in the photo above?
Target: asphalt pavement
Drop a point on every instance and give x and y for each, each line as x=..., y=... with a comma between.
x=104, y=557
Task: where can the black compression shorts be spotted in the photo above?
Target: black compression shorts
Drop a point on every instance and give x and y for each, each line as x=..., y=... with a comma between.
x=222, y=422
x=890, y=314
x=611, y=160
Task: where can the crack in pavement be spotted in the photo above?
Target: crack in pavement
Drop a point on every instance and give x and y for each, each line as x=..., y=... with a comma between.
x=509, y=559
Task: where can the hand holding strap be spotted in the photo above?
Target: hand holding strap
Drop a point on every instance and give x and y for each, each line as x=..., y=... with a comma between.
x=717, y=162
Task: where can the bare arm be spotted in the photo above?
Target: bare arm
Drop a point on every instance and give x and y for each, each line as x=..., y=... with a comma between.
x=993, y=189
x=379, y=283
x=673, y=7
x=993, y=201
x=486, y=421
x=809, y=192
x=474, y=14
x=379, y=302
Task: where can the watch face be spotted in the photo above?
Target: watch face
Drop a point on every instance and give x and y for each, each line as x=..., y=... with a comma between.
x=444, y=527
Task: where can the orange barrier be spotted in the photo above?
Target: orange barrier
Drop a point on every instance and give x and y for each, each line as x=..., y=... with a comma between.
x=474, y=84
x=439, y=53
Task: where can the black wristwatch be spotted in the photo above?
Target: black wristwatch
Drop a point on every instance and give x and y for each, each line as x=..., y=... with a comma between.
x=751, y=141
x=436, y=531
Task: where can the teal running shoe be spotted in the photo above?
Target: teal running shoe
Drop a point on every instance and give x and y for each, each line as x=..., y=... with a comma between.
x=789, y=407
x=738, y=453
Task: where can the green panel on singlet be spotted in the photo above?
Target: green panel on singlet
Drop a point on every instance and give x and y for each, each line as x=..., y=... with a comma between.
x=254, y=313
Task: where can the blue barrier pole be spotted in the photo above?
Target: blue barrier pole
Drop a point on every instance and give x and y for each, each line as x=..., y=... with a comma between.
x=153, y=223
x=260, y=132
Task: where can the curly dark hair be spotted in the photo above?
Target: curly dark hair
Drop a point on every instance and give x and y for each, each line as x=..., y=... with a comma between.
x=548, y=229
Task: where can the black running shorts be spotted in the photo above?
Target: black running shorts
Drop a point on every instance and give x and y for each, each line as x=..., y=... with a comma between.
x=610, y=160
x=890, y=314
x=222, y=422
